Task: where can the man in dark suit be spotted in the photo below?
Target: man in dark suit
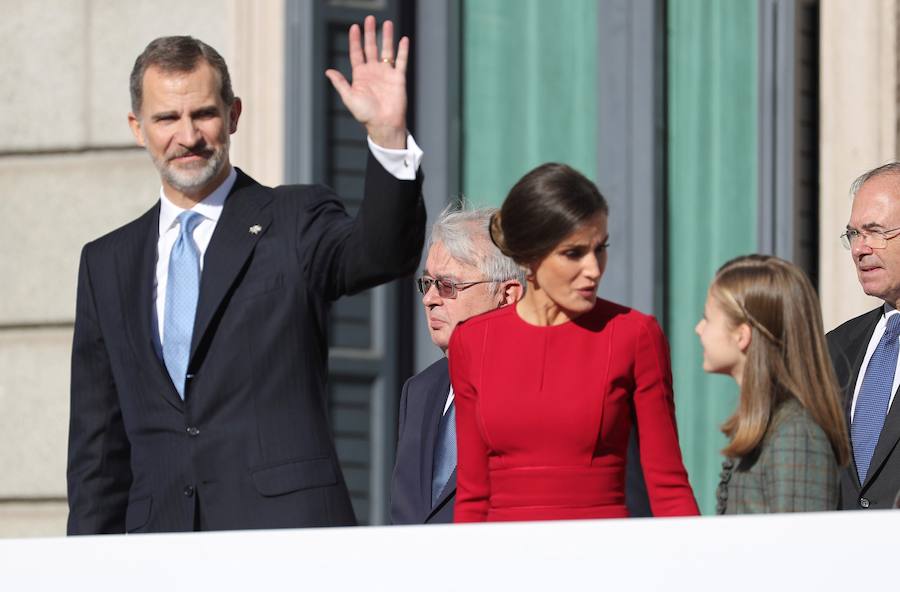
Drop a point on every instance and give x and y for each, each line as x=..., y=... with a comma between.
x=465, y=275
x=199, y=356
x=865, y=350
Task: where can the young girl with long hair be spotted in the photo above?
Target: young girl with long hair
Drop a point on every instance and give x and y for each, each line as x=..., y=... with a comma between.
x=762, y=325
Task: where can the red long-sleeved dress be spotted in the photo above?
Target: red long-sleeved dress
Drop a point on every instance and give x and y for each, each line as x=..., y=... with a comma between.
x=543, y=416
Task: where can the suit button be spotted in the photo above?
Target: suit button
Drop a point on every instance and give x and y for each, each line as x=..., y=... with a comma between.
x=863, y=502
x=192, y=431
x=188, y=490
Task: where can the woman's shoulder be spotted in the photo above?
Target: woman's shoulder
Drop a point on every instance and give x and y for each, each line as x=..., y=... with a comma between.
x=605, y=312
x=504, y=314
x=791, y=413
x=620, y=312
x=793, y=426
x=610, y=313
x=479, y=324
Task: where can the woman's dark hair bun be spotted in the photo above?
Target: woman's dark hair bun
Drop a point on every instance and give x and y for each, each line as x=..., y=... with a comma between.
x=546, y=205
x=495, y=228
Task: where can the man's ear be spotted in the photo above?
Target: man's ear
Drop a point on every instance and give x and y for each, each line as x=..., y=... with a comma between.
x=234, y=115
x=135, y=124
x=744, y=335
x=510, y=292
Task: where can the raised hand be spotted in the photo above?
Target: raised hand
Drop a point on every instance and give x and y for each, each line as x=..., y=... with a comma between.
x=377, y=95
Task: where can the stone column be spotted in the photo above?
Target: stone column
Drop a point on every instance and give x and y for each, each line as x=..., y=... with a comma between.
x=256, y=31
x=858, y=119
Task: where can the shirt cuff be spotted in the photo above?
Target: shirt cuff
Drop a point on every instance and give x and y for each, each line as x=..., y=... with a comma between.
x=402, y=164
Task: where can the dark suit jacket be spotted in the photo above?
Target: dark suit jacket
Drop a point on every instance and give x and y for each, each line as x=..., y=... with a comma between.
x=847, y=345
x=250, y=446
x=421, y=406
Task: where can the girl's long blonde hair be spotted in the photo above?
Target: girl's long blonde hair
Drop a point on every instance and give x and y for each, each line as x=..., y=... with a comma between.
x=787, y=356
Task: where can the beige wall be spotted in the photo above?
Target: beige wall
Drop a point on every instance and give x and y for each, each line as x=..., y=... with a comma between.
x=256, y=32
x=70, y=172
x=859, y=115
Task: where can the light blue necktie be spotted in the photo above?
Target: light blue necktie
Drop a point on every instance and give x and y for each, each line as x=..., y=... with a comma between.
x=444, y=454
x=874, y=397
x=182, y=291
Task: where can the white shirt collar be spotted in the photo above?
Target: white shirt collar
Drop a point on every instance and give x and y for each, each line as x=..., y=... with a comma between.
x=210, y=208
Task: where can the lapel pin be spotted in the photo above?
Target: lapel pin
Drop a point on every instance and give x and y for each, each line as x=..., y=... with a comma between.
x=255, y=229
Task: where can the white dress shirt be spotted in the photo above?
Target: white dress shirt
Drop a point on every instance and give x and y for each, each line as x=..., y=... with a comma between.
x=449, y=401
x=402, y=164
x=873, y=343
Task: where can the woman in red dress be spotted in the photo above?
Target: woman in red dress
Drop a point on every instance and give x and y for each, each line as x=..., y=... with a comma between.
x=547, y=390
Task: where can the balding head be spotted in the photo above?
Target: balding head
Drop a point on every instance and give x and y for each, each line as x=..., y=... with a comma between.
x=872, y=231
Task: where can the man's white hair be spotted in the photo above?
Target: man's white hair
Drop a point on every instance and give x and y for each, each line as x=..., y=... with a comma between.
x=463, y=232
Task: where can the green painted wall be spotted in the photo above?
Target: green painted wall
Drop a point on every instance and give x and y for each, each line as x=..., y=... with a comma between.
x=712, y=202
x=529, y=91
x=530, y=95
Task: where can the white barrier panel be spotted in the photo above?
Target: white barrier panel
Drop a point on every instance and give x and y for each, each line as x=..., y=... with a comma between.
x=830, y=551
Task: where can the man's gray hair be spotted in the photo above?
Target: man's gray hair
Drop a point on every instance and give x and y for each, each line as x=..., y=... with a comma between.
x=891, y=168
x=464, y=233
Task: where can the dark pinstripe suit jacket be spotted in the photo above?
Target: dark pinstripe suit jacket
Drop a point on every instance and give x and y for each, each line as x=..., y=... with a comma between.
x=250, y=446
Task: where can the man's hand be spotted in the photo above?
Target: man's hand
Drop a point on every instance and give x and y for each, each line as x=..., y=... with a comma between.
x=377, y=96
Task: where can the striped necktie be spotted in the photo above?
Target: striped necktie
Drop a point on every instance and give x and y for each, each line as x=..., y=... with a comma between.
x=444, y=454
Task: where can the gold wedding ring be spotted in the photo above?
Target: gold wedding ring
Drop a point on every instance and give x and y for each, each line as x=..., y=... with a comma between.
x=387, y=61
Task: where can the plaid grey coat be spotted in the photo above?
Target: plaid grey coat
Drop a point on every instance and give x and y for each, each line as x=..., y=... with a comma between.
x=793, y=469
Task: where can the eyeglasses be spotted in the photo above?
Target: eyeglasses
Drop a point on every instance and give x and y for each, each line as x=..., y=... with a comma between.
x=876, y=239
x=445, y=288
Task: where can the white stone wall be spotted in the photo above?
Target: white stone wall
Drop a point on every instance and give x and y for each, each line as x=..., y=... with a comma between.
x=70, y=172
x=858, y=131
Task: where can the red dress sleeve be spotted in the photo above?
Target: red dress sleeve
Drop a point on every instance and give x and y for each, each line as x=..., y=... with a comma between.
x=667, y=481
x=472, y=482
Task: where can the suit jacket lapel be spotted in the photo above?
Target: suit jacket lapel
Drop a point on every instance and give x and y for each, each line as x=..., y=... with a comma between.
x=136, y=270
x=890, y=433
x=244, y=220
x=434, y=407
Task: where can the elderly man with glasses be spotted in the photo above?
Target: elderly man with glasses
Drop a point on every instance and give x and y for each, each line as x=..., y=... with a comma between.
x=865, y=350
x=465, y=275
